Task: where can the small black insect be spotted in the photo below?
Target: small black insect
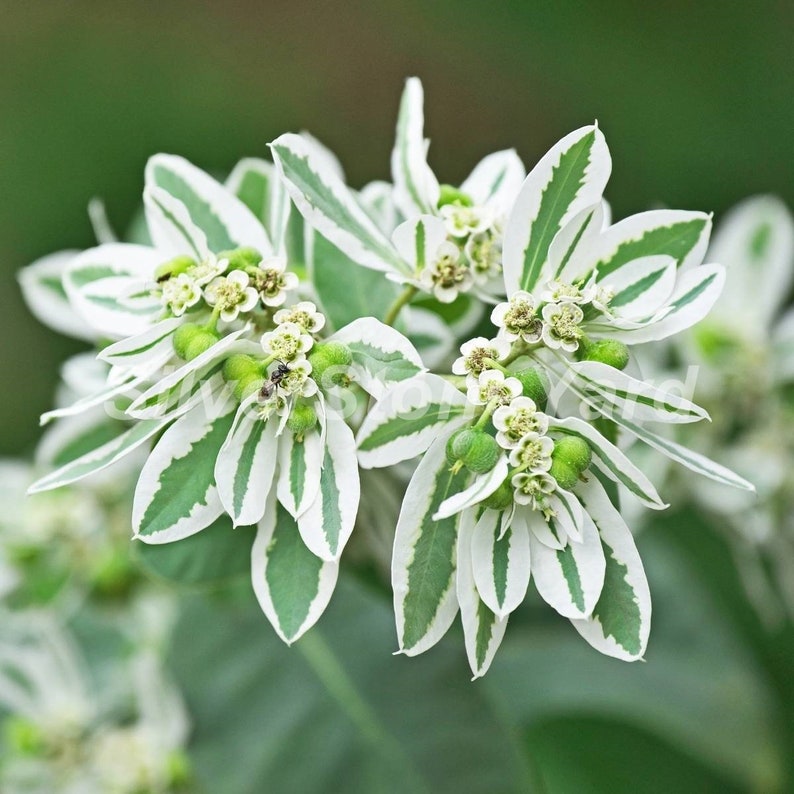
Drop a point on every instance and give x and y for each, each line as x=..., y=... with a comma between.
x=276, y=377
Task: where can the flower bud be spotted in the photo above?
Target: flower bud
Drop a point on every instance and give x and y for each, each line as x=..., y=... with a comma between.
x=501, y=498
x=449, y=194
x=328, y=355
x=572, y=451
x=607, y=351
x=475, y=449
x=533, y=385
x=240, y=258
x=173, y=267
x=565, y=475
x=191, y=340
x=302, y=418
x=24, y=736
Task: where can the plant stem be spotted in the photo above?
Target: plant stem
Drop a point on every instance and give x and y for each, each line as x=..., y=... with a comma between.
x=609, y=430
x=402, y=299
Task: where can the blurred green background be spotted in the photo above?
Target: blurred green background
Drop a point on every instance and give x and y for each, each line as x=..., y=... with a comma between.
x=696, y=103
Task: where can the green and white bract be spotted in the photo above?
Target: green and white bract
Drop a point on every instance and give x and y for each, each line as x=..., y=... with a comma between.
x=260, y=356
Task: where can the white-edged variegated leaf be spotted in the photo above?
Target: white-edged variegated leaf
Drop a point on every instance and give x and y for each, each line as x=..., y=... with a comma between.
x=42, y=288
x=432, y=337
x=572, y=243
x=612, y=461
x=293, y=586
x=570, y=177
x=546, y=532
x=382, y=356
x=621, y=619
x=225, y=221
x=331, y=207
x=176, y=495
x=99, y=458
x=570, y=579
x=257, y=184
x=174, y=389
x=680, y=234
x=495, y=181
x=246, y=465
x=501, y=564
x=171, y=228
x=377, y=198
x=407, y=419
x=482, y=629
x=695, y=294
x=328, y=523
x=418, y=239
x=634, y=399
x=642, y=287
x=425, y=555
x=139, y=350
x=416, y=189
x=108, y=287
x=67, y=440
x=300, y=469
x=692, y=460
x=482, y=487
x=568, y=516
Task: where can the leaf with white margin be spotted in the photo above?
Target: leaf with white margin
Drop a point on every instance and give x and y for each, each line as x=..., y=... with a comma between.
x=570, y=177
x=382, y=356
x=416, y=188
x=180, y=384
x=300, y=469
x=482, y=630
x=417, y=240
x=641, y=288
x=695, y=294
x=424, y=556
x=256, y=183
x=635, y=399
x=482, y=487
x=546, y=532
x=407, y=419
x=328, y=523
x=293, y=586
x=495, y=181
x=621, y=619
x=692, y=460
x=246, y=465
x=567, y=517
x=222, y=217
x=176, y=495
x=611, y=460
x=67, y=440
x=501, y=565
x=171, y=228
x=378, y=199
x=570, y=579
x=107, y=287
x=44, y=293
x=573, y=242
x=680, y=234
x=100, y=458
x=139, y=350
x=755, y=242
x=430, y=335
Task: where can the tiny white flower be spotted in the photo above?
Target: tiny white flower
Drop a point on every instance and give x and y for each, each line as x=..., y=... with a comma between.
x=532, y=453
x=297, y=381
x=287, y=342
x=534, y=490
x=462, y=221
x=484, y=252
x=273, y=282
x=516, y=420
x=492, y=384
x=475, y=352
x=516, y=318
x=232, y=294
x=206, y=271
x=304, y=314
x=180, y=293
x=561, y=326
x=563, y=292
x=448, y=275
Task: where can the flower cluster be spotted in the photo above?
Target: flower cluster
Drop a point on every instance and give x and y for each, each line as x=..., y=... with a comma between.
x=254, y=395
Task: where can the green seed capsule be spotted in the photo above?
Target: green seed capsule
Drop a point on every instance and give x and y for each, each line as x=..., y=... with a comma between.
x=240, y=366
x=565, y=475
x=572, y=451
x=173, y=267
x=240, y=258
x=191, y=340
x=475, y=449
x=333, y=356
x=501, y=498
x=607, y=351
x=449, y=194
x=302, y=418
x=533, y=385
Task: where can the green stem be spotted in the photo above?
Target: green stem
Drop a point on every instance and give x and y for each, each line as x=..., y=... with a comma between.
x=402, y=299
x=609, y=430
x=486, y=414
